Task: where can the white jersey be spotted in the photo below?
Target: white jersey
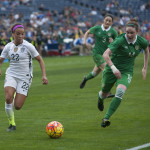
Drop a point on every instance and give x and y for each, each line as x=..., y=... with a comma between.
x=20, y=59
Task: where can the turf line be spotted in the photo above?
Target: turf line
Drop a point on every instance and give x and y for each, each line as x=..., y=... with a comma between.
x=140, y=147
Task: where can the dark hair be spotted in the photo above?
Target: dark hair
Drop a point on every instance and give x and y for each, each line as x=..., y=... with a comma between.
x=12, y=28
x=133, y=23
x=109, y=15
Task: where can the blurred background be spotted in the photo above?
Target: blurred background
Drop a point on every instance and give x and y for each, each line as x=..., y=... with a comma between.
x=56, y=27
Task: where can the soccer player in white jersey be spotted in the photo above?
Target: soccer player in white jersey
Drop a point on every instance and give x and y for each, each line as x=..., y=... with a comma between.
x=19, y=73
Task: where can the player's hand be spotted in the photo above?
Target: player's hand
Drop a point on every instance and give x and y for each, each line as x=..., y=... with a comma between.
x=144, y=73
x=45, y=80
x=117, y=74
x=115, y=71
x=110, y=40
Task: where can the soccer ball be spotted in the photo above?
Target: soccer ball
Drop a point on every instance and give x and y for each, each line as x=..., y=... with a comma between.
x=54, y=129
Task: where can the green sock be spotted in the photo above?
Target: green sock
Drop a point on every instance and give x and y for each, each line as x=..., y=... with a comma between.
x=90, y=75
x=112, y=107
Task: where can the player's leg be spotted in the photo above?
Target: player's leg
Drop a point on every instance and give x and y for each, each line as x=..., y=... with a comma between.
x=93, y=74
x=115, y=101
x=10, y=88
x=89, y=76
x=103, y=94
x=101, y=97
x=21, y=92
x=21, y=88
x=9, y=95
x=114, y=104
x=100, y=64
x=101, y=67
x=19, y=101
x=122, y=85
x=108, y=81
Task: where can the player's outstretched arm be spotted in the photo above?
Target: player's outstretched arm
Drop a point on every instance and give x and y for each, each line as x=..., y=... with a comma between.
x=42, y=65
x=85, y=36
x=1, y=61
x=146, y=58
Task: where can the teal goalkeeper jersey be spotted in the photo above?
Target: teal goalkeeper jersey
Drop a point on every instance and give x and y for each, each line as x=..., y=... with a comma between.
x=102, y=38
x=124, y=53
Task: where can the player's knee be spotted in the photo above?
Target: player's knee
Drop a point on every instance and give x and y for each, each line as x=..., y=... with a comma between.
x=119, y=93
x=9, y=99
x=17, y=107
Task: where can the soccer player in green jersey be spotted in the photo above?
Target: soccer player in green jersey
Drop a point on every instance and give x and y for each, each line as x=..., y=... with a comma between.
x=119, y=68
x=103, y=35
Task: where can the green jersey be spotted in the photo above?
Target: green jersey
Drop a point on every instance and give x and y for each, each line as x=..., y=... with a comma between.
x=102, y=36
x=124, y=52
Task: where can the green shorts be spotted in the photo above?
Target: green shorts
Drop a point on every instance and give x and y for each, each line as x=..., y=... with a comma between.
x=109, y=79
x=98, y=59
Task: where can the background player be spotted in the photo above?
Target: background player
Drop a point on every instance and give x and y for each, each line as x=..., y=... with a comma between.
x=104, y=35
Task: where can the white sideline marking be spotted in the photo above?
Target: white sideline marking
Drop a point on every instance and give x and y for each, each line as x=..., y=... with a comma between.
x=140, y=147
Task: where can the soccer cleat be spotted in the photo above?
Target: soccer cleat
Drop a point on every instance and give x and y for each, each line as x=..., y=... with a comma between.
x=105, y=123
x=11, y=128
x=110, y=95
x=83, y=83
x=100, y=105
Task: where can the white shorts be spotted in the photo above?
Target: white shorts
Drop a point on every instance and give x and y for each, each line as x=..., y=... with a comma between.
x=21, y=86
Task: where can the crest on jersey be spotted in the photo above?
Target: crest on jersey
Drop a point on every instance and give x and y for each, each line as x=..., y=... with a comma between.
x=136, y=47
x=22, y=49
x=126, y=47
x=109, y=34
x=15, y=49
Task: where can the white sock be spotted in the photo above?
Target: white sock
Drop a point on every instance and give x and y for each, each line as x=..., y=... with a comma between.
x=10, y=113
x=101, y=96
x=94, y=74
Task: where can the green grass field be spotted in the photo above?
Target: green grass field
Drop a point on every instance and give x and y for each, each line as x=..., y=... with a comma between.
x=76, y=109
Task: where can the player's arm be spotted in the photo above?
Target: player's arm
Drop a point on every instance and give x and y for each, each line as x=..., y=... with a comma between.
x=106, y=56
x=146, y=57
x=85, y=36
x=4, y=55
x=42, y=65
x=1, y=61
